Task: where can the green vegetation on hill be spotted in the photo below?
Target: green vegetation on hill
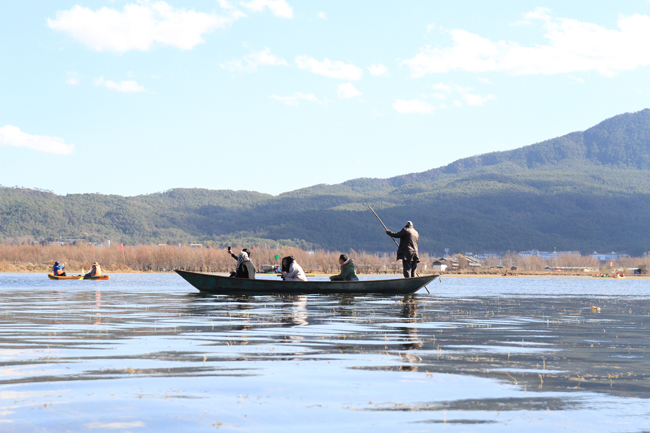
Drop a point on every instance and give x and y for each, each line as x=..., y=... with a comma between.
x=584, y=191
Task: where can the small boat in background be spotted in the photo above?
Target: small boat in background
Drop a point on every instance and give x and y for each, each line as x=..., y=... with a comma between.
x=77, y=277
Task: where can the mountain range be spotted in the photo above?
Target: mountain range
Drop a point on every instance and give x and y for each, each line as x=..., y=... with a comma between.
x=585, y=191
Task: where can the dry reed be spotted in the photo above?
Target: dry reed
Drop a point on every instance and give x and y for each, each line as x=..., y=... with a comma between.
x=166, y=258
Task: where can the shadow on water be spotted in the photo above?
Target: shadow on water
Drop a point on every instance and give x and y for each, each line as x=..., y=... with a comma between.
x=278, y=361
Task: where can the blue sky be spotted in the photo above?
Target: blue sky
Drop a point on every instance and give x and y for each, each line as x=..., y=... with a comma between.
x=133, y=97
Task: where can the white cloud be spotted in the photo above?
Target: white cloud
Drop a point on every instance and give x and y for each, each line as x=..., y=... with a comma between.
x=573, y=46
x=279, y=8
x=13, y=136
x=225, y=4
x=441, y=86
x=431, y=27
x=123, y=86
x=250, y=62
x=485, y=80
x=577, y=79
x=138, y=26
x=329, y=68
x=347, y=90
x=377, y=69
x=473, y=99
x=296, y=98
x=322, y=15
x=413, y=106
x=73, y=78
x=465, y=93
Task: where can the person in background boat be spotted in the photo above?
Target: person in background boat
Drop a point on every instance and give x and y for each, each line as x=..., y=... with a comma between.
x=291, y=270
x=58, y=270
x=245, y=268
x=347, y=270
x=95, y=271
x=408, y=248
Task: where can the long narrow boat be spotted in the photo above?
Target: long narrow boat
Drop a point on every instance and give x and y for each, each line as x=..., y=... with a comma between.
x=77, y=277
x=243, y=286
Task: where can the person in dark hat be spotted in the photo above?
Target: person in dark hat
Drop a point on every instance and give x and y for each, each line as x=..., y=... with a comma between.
x=58, y=270
x=347, y=270
x=408, y=248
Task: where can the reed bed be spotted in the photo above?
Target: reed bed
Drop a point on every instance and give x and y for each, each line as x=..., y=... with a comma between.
x=152, y=258
x=166, y=258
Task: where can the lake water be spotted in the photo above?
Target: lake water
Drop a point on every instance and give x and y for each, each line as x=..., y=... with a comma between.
x=149, y=353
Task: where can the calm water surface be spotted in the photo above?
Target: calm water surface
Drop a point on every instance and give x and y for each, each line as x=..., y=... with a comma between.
x=149, y=353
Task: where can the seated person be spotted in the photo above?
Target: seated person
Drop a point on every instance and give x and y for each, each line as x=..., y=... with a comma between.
x=96, y=271
x=245, y=268
x=291, y=270
x=347, y=270
x=58, y=270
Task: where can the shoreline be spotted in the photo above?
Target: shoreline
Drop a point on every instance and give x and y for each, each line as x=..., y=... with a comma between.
x=320, y=274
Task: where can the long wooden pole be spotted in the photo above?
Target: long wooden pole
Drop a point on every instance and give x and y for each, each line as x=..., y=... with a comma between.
x=382, y=223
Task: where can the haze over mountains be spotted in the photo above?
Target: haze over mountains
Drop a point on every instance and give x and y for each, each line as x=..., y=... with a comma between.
x=583, y=191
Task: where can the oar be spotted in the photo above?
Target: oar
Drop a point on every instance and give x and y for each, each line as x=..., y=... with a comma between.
x=382, y=223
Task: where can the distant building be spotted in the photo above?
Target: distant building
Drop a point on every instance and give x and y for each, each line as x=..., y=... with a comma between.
x=603, y=257
x=548, y=254
x=570, y=269
x=439, y=265
x=473, y=262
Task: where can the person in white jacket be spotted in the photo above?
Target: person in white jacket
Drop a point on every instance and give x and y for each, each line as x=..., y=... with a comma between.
x=291, y=270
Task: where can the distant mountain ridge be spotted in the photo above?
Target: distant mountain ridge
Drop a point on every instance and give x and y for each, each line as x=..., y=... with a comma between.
x=586, y=190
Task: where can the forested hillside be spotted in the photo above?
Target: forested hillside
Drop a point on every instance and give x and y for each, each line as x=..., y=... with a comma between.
x=584, y=191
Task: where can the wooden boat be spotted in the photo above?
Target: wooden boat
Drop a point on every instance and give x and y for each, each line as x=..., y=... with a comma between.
x=243, y=286
x=77, y=277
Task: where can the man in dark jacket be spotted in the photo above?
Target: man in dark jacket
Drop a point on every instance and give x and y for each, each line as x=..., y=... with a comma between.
x=408, y=248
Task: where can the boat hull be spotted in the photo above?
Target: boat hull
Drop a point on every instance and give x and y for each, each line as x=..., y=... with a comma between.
x=77, y=277
x=220, y=285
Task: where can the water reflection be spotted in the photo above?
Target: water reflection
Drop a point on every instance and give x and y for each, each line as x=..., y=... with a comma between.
x=410, y=313
x=139, y=354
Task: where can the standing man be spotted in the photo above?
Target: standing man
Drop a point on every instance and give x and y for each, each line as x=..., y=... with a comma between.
x=408, y=248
